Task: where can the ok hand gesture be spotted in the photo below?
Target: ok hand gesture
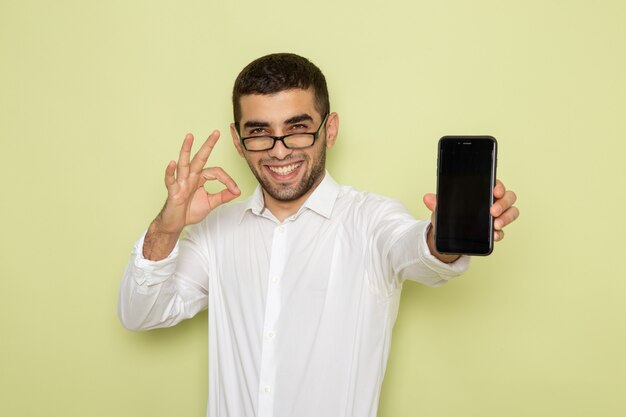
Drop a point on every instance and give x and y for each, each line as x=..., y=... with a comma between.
x=187, y=200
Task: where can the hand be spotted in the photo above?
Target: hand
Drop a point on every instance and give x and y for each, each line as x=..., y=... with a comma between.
x=503, y=211
x=187, y=200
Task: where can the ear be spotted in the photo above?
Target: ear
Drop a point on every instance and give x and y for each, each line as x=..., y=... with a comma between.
x=332, y=129
x=236, y=141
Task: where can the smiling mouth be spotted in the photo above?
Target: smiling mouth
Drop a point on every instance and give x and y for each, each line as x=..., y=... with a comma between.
x=284, y=170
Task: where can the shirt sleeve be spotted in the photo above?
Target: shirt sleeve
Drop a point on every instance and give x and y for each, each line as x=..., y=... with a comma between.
x=399, y=240
x=162, y=293
x=411, y=259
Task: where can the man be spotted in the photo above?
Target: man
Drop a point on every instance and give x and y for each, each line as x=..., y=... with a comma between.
x=302, y=280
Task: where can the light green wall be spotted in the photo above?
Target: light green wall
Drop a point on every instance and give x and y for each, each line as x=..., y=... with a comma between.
x=95, y=98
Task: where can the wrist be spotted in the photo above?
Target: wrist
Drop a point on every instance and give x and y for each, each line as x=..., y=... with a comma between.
x=430, y=239
x=157, y=227
x=158, y=242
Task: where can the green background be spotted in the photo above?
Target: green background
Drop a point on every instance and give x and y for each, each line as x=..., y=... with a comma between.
x=96, y=97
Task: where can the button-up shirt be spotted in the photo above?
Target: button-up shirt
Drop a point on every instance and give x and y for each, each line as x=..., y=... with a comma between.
x=300, y=311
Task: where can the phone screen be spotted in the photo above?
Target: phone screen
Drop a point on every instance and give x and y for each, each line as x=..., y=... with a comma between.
x=465, y=178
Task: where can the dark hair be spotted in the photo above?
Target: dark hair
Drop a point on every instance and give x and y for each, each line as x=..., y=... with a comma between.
x=278, y=72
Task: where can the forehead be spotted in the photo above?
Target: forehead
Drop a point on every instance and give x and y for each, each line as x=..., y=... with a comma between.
x=277, y=107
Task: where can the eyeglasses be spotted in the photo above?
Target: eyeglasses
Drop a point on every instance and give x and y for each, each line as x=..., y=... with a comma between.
x=291, y=141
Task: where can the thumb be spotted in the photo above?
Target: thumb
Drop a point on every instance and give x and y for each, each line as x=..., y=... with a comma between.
x=430, y=201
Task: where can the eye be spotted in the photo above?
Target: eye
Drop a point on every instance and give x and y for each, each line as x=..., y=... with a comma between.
x=257, y=131
x=299, y=126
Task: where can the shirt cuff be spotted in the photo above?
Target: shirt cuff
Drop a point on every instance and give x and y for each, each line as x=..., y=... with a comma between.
x=446, y=271
x=146, y=272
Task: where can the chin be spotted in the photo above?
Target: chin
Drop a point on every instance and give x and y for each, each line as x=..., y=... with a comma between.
x=313, y=170
x=290, y=193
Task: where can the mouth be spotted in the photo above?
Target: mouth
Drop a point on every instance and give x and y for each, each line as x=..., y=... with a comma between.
x=284, y=172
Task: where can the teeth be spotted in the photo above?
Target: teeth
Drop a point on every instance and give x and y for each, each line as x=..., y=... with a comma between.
x=286, y=170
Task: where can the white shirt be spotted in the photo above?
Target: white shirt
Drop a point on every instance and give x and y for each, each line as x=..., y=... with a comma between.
x=300, y=312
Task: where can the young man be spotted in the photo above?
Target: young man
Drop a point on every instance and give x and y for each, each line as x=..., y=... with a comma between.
x=302, y=280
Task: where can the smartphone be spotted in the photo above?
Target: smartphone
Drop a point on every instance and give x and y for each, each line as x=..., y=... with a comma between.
x=466, y=175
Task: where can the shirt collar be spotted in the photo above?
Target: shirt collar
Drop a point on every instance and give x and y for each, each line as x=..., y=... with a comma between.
x=322, y=199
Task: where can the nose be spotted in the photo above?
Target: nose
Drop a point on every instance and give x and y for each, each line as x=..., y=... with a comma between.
x=279, y=151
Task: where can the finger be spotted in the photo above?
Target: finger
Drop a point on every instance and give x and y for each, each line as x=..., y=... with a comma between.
x=506, y=218
x=200, y=158
x=503, y=203
x=430, y=201
x=498, y=235
x=182, y=170
x=222, y=197
x=217, y=173
x=169, y=174
x=230, y=193
x=499, y=189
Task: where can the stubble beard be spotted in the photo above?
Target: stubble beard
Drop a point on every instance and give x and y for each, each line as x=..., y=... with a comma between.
x=291, y=193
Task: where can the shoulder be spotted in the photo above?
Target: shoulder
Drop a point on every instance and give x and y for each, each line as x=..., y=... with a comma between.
x=377, y=219
x=230, y=213
x=365, y=202
x=223, y=218
x=369, y=213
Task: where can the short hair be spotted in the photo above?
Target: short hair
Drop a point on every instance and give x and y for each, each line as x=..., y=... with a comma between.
x=279, y=72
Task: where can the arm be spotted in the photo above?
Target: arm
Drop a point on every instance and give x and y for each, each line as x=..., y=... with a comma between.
x=400, y=250
x=412, y=258
x=187, y=200
x=161, y=293
x=412, y=254
x=165, y=282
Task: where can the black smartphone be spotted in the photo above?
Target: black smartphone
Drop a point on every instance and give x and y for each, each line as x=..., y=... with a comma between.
x=466, y=175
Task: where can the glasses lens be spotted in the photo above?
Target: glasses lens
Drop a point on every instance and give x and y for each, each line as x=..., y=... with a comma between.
x=258, y=144
x=263, y=143
x=299, y=140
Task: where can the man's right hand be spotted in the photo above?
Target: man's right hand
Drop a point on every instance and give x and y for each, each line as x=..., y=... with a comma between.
x=187, y=200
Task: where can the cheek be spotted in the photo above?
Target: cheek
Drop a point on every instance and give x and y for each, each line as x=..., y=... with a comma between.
x=252, y=161
x=319, y=155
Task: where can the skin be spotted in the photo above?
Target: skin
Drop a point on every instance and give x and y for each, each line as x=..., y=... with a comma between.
x=187, y=201
x=276, y=115
x=287, y=176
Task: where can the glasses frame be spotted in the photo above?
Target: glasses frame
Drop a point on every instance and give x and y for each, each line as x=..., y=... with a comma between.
x=315, y=135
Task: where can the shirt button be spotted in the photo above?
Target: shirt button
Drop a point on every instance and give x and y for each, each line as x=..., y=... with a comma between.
x=267, y=389
x=281, y=229
x=271, y=335
x=275, y=279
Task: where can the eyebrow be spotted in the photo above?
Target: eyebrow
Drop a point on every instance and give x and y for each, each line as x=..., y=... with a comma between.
x=299, y=118
x=255, y=123
x=292, y=120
